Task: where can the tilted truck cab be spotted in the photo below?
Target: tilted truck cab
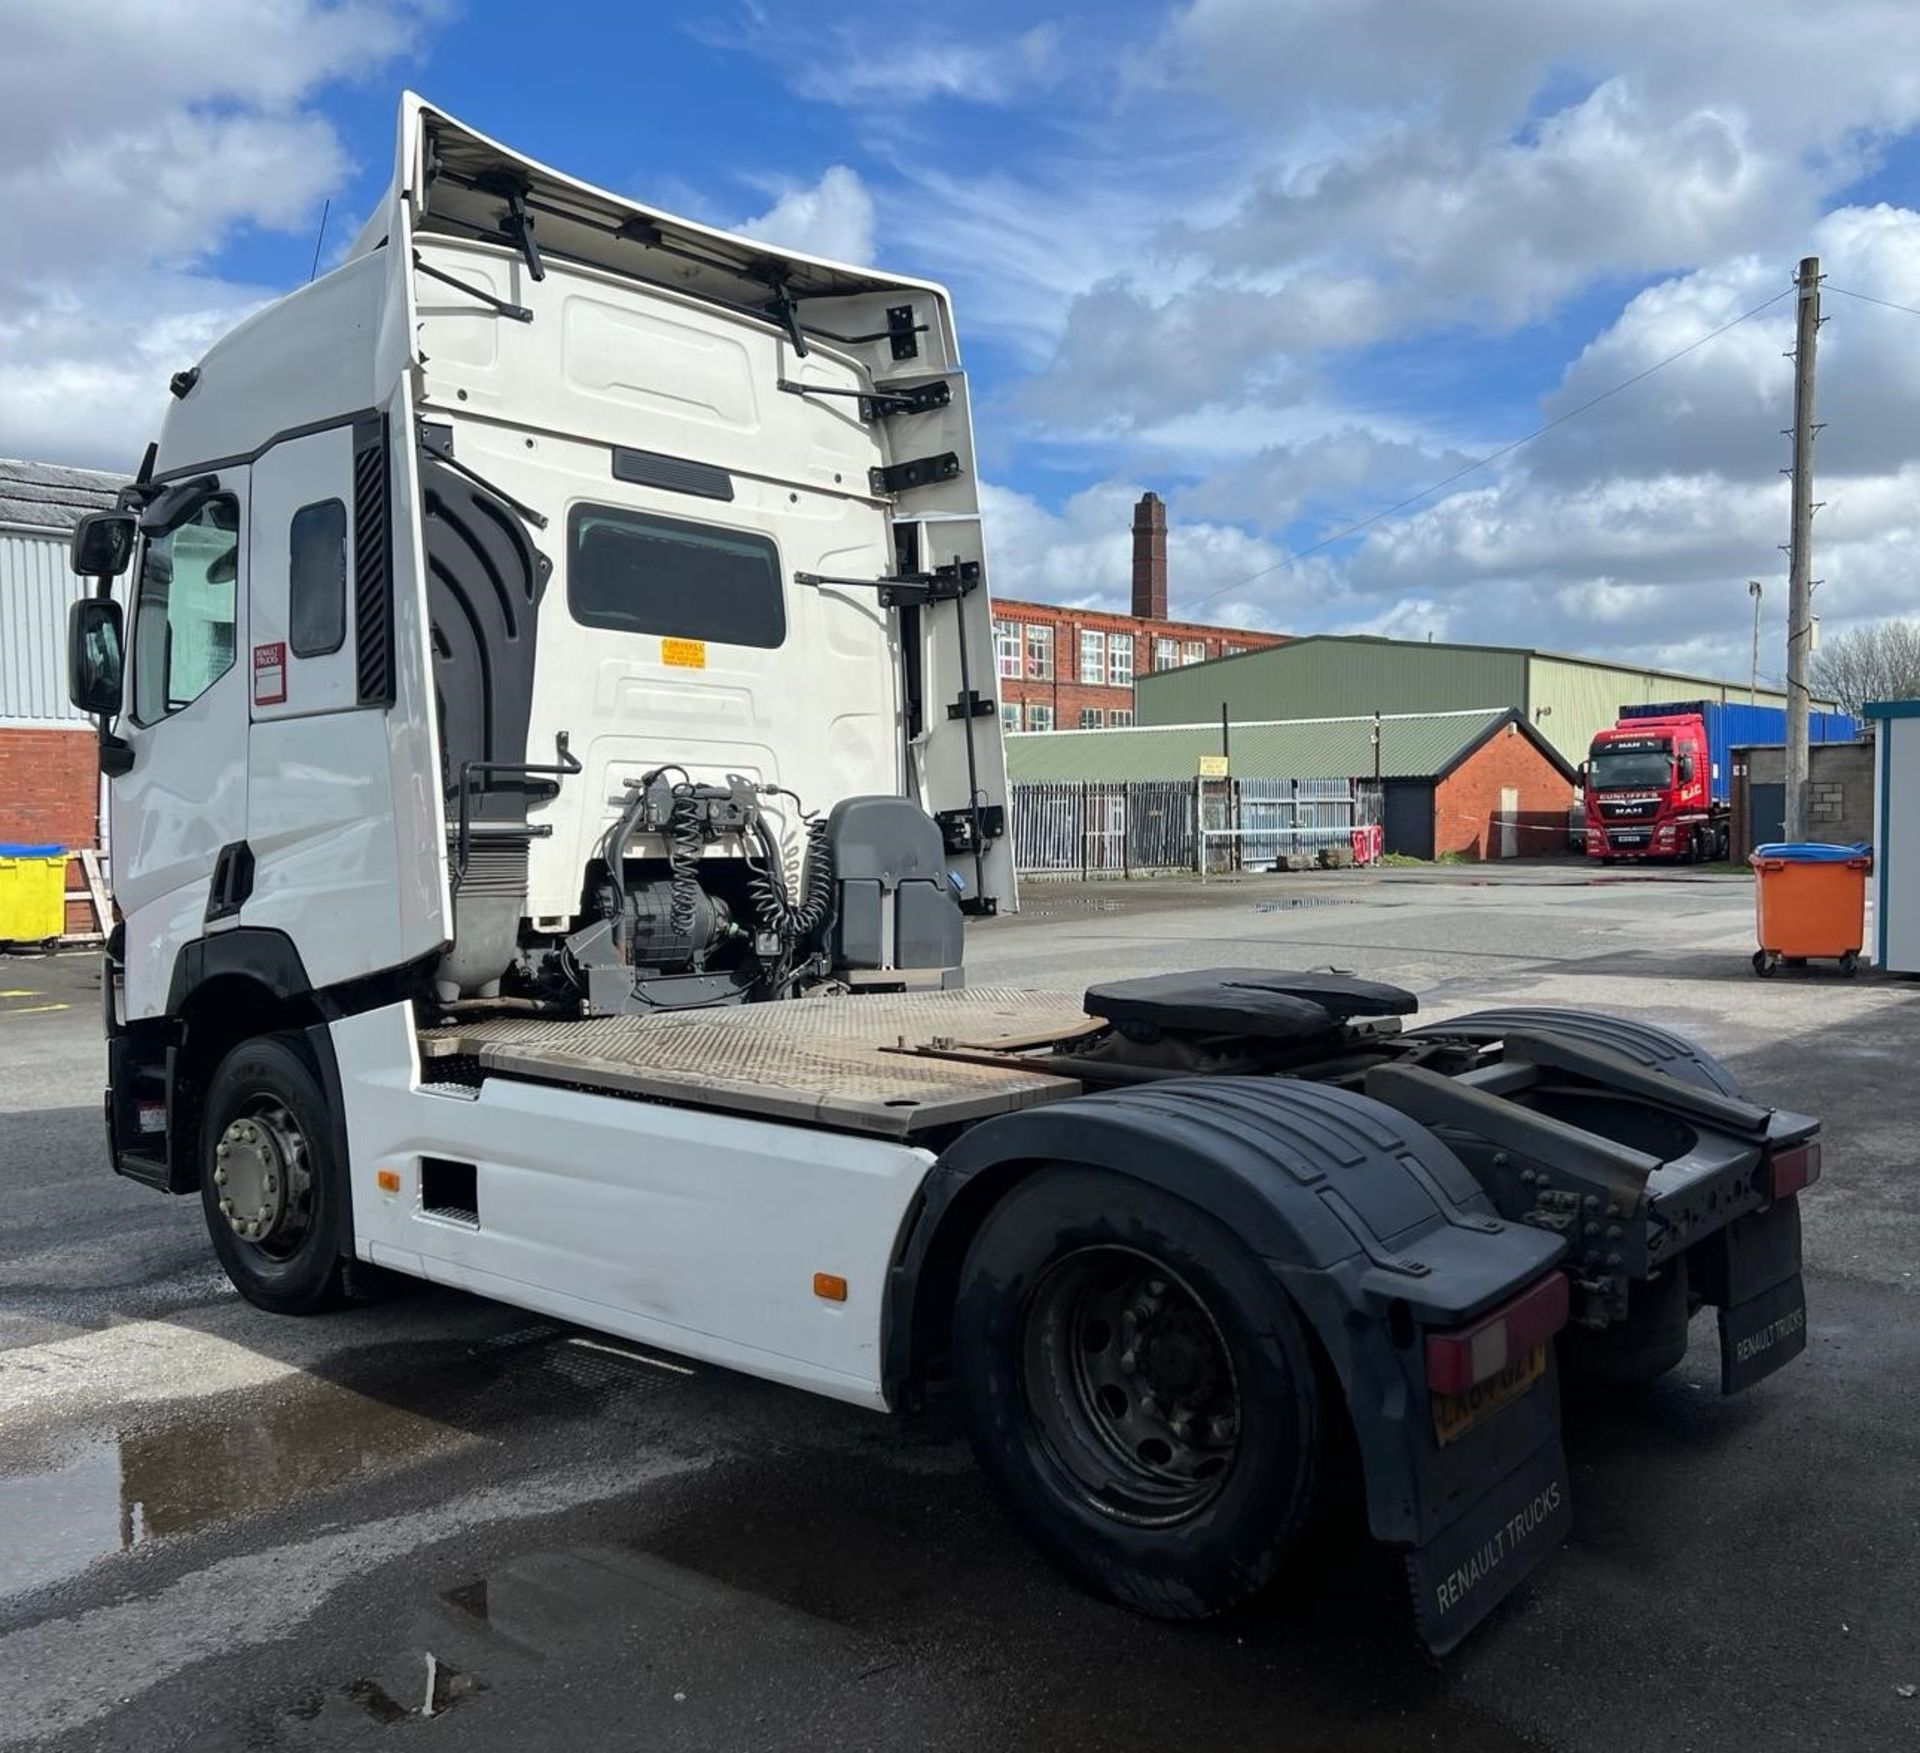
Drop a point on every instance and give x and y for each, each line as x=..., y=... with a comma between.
x=554, y=752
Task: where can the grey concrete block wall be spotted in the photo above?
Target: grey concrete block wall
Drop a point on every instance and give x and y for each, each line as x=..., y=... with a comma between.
x=1839, y=787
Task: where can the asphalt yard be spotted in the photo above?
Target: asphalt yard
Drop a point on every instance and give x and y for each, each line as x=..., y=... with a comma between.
x=447, y=1521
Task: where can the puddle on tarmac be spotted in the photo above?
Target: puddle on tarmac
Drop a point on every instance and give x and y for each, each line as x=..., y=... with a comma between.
x=1293, y=903
x=197, y=1464
x=71, y=1498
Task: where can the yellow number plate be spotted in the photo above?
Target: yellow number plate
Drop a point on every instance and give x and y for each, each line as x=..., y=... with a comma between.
x=1456, y=1414
x=684, y=654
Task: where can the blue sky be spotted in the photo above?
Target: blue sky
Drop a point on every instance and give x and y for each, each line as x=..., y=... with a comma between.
x=1286, y=261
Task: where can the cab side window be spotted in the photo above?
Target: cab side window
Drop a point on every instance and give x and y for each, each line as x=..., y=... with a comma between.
x=183, y=615
x=317, y=579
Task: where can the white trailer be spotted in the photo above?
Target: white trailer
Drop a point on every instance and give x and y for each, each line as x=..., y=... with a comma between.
x=553, y=757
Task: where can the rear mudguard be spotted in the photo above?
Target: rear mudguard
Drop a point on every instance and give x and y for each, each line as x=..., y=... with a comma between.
x=1376, y=1232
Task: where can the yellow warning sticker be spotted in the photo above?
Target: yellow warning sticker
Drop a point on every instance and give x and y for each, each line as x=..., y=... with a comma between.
x=684, y=654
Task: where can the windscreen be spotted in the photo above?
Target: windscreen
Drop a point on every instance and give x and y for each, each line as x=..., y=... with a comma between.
x=1618, y=769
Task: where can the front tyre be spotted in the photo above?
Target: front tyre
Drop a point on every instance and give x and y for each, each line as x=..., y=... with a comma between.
x=1139, y=1390
x=273, y=1178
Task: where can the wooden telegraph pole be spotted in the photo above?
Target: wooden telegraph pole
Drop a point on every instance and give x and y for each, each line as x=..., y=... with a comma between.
x=1800, y=552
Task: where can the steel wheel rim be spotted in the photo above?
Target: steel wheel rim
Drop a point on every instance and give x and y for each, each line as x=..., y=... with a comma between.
x=1131, y=1386
x=263, y=1178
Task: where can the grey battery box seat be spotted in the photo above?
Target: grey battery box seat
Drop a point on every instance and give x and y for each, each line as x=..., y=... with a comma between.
x=896, y=907
x=1262, y=1002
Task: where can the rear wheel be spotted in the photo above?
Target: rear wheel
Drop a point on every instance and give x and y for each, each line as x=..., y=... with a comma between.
x=272, y=1178
x=1139, y=1391
x=1651, y=1340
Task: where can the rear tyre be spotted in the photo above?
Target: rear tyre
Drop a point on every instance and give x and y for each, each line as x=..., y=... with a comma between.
x=1764, y=964
x=273, y=1178
x=1651, y=1341
x=1139, y=1390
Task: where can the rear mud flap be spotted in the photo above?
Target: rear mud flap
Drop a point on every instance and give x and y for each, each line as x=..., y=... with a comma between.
x=1760, y=1334
x=1477, y=1560
x=1751, y=1269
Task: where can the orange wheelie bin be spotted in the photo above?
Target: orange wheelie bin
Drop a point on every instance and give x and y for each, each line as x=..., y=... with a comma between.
x=1809, y=903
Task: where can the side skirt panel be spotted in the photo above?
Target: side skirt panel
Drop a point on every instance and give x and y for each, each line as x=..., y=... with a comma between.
x=697, y=1232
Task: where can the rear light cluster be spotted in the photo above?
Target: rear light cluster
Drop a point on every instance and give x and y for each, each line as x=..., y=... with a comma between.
x=1788, y=1171
x=1460, y=1361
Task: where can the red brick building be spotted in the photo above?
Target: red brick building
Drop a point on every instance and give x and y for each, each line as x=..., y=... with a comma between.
x=1074, y=669
x=1507, y=795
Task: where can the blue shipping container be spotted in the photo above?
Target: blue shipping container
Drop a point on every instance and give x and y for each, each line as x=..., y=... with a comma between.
x=1732, y=726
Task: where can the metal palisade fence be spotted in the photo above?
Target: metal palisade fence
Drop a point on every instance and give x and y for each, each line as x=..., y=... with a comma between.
x=1145, y=827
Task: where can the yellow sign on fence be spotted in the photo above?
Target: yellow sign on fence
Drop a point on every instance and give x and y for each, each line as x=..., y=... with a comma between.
x=1213, y=766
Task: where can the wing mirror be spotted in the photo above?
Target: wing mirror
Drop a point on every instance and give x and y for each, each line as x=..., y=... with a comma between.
x=95, y=655
x=1686, y=769
x=103, y=544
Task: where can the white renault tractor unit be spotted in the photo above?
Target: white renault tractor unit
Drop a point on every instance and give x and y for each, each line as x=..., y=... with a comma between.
x=553, y=755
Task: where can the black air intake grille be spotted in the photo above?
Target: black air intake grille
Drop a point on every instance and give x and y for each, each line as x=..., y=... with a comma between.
x=372, y=564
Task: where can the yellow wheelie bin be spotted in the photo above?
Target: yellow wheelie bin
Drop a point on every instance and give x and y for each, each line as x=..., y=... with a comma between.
x=33, y=893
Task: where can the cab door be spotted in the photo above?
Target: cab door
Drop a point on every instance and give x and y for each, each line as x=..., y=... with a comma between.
x=320, y=824
x=182, y=804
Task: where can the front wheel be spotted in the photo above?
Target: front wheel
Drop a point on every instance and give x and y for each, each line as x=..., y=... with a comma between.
x=272, y=1178
x=1139, y=1391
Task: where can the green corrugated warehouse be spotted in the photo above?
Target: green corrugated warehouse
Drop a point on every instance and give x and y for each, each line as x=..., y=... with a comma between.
x=1327, y=676
x=1484, y=784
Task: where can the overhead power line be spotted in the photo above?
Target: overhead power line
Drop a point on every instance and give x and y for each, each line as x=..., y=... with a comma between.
x=1493, y=456
x=1868, y=298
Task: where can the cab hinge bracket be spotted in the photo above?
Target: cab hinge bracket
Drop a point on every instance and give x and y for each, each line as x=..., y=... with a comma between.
x=971, y=704
x=881, y=404
x=918, y=472
x=907, y=590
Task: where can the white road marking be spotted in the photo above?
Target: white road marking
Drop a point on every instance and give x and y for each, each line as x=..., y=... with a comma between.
x=137, y=1363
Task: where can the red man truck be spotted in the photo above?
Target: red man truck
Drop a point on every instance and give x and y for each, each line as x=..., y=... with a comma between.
x=1658, y=782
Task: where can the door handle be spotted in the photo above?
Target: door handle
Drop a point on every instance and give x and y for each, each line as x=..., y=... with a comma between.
x=232, y=881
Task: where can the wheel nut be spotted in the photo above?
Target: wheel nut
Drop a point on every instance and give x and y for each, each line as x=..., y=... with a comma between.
x=225, y=1149
x=220, y=1175
x=226, y=1208
x=273, y=1186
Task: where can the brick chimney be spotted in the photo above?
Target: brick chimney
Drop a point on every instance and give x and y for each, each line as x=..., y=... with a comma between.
x=1150, y=558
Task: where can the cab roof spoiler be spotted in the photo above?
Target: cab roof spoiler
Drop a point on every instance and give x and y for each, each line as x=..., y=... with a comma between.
x=460, y=183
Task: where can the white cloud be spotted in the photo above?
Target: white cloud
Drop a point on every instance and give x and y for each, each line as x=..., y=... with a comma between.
x=1347, y=174
x=890, y=71
x=832, y=218
x=894, y=65
x=136, y=138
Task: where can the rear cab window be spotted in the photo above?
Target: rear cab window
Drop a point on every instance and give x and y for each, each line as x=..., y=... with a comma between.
x=638, y=572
